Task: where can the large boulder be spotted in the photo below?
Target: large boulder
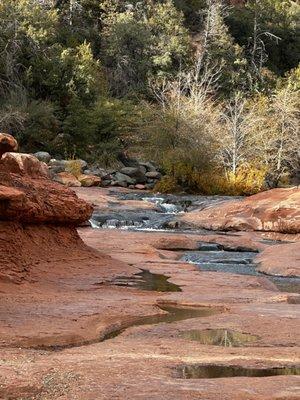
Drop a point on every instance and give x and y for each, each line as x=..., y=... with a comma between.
x=23, y=164
x=121, y=178
x=7, y=143
x=38, y=219
x=276, y=210
x=43, y=156
x=136, y=173
x=28, y=195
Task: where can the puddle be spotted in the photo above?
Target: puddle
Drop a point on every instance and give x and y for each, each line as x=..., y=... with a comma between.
x=146, y=280
x=220, y=337
x=174, y=314
x=221, y=371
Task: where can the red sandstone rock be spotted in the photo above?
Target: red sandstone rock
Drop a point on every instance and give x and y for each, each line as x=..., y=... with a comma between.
x=67, y=179
x=276, y=210
x=27, y=194
x=23, y=164
x=177, y=243
x=7, y=143
x=139, y=186
x=43, y=202
x=68, y=298
x=282, y=259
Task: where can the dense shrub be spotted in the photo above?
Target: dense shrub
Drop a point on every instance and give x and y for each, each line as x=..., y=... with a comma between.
x=248, y=180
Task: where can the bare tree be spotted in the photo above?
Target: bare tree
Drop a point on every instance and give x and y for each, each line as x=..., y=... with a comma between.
x=234, y=136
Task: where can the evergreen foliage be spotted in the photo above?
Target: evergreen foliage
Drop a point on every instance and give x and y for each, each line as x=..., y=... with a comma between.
x=205, y=87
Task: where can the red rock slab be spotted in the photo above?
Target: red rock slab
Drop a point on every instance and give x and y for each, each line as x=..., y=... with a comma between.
x=71, y=300
x=144, y=369
x=281, y=260
x=7, y=143
x=276, y=210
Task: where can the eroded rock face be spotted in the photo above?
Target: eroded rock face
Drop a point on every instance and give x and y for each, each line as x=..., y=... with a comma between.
x=29, y=196
x=38, y=217
x=7, y=143
x=276, y=210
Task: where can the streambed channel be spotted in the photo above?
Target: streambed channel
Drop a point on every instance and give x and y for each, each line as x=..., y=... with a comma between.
x=163, y=217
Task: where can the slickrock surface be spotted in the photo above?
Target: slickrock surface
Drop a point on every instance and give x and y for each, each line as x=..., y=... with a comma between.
x=59, y=297
x=281, y=260
x=277, y=210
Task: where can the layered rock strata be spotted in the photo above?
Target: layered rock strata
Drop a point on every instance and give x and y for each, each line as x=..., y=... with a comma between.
x=38, y=217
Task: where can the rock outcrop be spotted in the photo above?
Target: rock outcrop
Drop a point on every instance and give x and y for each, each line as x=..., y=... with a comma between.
x=38, y=217
x=7, y=143
x=276, y=210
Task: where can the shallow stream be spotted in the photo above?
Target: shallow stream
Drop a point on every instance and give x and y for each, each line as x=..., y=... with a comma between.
x=163, y=218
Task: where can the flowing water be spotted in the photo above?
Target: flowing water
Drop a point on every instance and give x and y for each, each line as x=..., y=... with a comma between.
x=237, y=262
x=164, y=218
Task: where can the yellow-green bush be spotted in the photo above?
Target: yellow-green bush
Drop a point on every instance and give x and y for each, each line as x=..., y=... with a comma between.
x=247, y=180
x=74, y=167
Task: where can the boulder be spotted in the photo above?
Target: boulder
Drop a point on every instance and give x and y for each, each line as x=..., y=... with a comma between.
x=38, y=219
x=136, y=173
x=57, y=166
x=120, y=177
x=149, y=166
x=276, y=210
x=35, y=199
x=89, y=180
x=23, y=164
x=7, y=143
x=100, y=172
x=153, y=175
x=139, y=186
x=43, y=156
x=67, y=179
x=119, y=183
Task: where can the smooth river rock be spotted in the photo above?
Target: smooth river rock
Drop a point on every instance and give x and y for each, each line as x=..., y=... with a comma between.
x=276, y=210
